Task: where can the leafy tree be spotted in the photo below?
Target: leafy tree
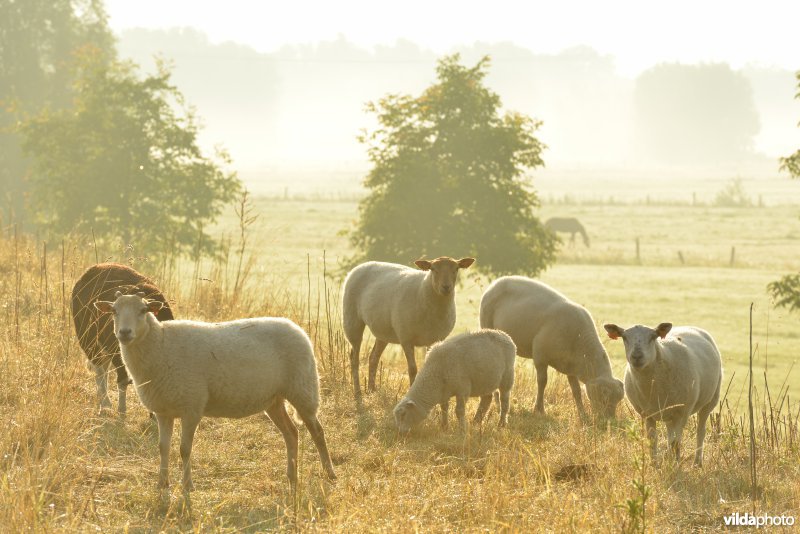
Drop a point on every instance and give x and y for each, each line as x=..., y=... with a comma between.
x=125, y=162
x=38, y=39
x=693, y=114
x=792, y=163
x=786, y=291
x=448, y=178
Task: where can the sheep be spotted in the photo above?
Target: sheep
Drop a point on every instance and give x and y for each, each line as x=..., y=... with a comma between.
x=671, y=378
x=556, y=332
x=467, y=365
x=96, y=331
x=400, y=305
x=191, y=369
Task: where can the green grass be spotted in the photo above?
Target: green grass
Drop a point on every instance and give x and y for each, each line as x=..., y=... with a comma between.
x=606, y=278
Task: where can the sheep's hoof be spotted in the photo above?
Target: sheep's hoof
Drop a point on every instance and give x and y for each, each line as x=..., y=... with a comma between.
x=188, y=487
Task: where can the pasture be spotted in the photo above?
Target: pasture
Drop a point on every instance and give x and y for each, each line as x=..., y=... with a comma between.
x=67, y=469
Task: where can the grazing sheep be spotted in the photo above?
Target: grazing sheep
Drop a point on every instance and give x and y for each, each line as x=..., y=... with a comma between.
x=671, y=378
x=190, y=369
x=400, y=305
x=467, y=365
x=96, y=331
x=554, y=331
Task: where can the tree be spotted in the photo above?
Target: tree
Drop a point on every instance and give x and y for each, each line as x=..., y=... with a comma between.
x=692, y=114
x=38, y=39
x=448, y=178
x=125, y=162
x=786, y=291
x=792, y=163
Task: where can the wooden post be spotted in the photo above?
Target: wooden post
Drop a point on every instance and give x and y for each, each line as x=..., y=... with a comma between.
x=638, y=255
x=733, y=256
x=680, y=257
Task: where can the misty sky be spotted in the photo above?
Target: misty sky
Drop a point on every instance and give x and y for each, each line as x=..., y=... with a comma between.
x=638, y=33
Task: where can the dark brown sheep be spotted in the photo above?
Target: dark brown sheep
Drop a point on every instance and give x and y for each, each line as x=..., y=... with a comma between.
x=95, y=331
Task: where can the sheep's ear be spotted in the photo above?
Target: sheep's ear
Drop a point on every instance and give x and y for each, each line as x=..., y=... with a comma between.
x=663, y=329
x=614, y=332
x=425, y=265
x=154, y=306
x=103, y=306
x=463, y=263
x=118, y=294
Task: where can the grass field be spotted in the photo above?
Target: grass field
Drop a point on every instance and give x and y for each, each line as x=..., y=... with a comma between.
x=67, y=469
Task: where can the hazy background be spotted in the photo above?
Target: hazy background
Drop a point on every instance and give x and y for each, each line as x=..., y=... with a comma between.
x=283, y=86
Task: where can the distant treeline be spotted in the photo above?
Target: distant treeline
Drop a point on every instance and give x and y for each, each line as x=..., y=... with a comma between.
x=305, y=103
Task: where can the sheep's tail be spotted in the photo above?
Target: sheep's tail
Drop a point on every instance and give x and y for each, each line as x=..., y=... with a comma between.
x=293, y=414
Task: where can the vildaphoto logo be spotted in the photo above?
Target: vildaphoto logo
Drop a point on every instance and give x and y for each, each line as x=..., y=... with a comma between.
x=764, y=520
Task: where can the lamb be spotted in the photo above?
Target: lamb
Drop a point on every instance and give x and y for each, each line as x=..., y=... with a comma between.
x=467, y=365
x=190, y=369
x=96, y=331
x=671, y=378
x=556, y=332
x=400, y=305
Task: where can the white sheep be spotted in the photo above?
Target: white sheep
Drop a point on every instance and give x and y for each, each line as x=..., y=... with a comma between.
x=467, y=365
x=671, y=378
x=400, y=305
x=556, y=332
x=190, y=369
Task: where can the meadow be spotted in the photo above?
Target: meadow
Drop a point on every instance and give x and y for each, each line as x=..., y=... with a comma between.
x=67, y=469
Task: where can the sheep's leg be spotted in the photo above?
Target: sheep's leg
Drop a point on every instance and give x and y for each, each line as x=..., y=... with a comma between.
x=461, y=407
x=284, y=423
x=374, y=358
x=652, y=436
x=674, y=435
x=505, y=404
x=541, y=382
x=408, y=349
x=188, y=426
x=122, y=383
x=318, y=435
x=165, y=425
x=575, y=386
x=445, y=407
x=354, y=353
x=702, y=417
x=483, y=407
x=122, y=405
x=101, y=381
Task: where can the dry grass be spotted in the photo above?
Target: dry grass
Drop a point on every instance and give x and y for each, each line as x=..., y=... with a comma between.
x=66, y=469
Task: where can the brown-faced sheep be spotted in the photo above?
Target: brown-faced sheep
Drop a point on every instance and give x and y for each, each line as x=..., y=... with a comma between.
x=192, y=369
x=95, y=331
x=670, y=377
x=414, y=308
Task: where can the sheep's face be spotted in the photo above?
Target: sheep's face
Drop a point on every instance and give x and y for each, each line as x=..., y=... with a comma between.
x=130, y=315
x=444, y=272
x=605, y=394
x=407, y=415
x=640, y=342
